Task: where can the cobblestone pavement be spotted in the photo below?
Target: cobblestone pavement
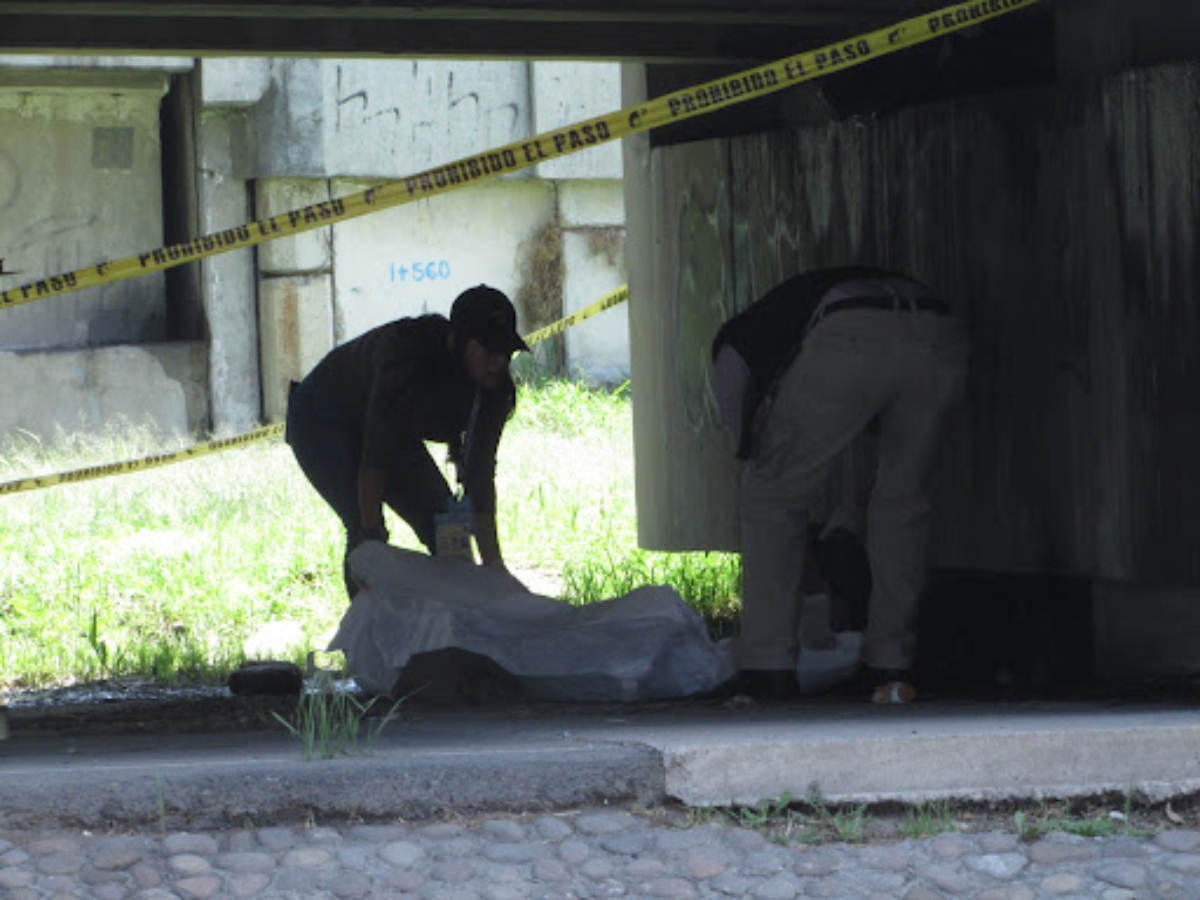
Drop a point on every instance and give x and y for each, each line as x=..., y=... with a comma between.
x=585, y=854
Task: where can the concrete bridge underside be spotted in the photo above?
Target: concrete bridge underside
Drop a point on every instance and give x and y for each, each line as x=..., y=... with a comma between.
x=643, y=30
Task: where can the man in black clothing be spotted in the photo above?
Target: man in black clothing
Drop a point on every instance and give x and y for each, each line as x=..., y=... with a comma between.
x=821, y=358
x=359, y=421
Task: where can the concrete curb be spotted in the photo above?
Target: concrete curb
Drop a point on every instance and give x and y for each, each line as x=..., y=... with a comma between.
x=470, y=761
x=239, y=789
x=1031, y=760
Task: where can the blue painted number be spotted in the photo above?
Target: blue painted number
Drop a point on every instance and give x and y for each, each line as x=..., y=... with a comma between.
x=420, y=271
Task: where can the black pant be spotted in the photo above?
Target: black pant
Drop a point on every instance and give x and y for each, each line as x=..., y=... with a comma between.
x=329, y=452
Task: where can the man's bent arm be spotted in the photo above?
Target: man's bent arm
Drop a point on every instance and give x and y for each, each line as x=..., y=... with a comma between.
x=372, y=483
x=486, y=539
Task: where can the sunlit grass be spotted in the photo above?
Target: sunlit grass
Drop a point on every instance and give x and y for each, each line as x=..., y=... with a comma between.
x=166, y=573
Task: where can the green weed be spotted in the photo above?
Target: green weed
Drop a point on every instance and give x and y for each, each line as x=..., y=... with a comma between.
x=161, y=800
x=846, y=824
x=763, y=815
x=1048, y=818
x=331, y=724
x=928, y=820
x=810, y=821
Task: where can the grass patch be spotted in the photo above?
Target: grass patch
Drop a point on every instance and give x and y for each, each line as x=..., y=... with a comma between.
x=1092, y=820
x=334, y=723
x=928, y=820
x=165, y=574
x=787, y=820
x=814, y=820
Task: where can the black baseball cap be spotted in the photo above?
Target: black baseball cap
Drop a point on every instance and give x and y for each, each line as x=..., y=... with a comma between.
x=485, y=314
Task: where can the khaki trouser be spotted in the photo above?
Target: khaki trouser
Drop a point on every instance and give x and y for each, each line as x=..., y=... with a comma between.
x=903, y=370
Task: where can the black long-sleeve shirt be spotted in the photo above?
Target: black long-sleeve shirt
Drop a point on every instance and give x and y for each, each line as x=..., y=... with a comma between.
x=402, y=380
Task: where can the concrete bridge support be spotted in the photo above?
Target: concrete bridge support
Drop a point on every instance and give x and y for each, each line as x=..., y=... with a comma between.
x=1061, y=221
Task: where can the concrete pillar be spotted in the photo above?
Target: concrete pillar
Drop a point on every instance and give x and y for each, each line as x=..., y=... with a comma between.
x=680, y=291
x=297, y=332
x=1071, y=452
x=228, y=280
x=295, y=292
x=1145, y=632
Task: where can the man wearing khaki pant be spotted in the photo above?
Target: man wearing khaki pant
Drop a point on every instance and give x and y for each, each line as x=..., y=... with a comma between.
x=818, y=360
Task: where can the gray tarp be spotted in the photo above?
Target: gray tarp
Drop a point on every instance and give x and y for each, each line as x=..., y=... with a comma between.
x=646, y=645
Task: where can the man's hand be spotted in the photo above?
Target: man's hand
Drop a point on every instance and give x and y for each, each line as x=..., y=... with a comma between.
x=364, y=534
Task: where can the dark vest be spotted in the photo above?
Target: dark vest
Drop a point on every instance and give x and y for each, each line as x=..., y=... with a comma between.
x=768, y=334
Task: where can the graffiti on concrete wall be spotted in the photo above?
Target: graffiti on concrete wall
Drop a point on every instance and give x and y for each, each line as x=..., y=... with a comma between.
x=413, y=114
x=419, y=272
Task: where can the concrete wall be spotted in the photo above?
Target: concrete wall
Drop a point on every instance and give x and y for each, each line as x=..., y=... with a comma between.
x=1061, y=221
x=319, y=122
x=80, y=181
x=81, y=177
x=381, y=118
x=563, y=93
x=417, y=258
x=159, y=385
x=330, y=285
x=592, y=214
x=393, y=118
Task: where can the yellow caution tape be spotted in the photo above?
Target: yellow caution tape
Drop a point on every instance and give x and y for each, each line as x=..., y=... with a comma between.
x=136, y=465
x=270, y=431
x=514, y=157
x=620, y=295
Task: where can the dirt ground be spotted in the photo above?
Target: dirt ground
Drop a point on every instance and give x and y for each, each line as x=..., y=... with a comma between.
x=108, y=708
